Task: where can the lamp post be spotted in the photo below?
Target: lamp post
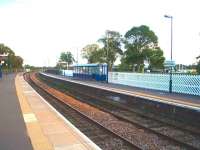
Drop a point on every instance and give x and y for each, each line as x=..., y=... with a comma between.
x=107, y=47
x=170, y=80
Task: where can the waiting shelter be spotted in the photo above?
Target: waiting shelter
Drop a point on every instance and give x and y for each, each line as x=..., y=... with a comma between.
x=98, y=72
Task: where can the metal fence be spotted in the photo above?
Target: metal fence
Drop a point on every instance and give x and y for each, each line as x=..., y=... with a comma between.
x=68, y=73
x=188, y=84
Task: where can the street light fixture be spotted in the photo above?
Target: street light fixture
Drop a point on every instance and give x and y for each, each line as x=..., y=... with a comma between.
x=170, y=80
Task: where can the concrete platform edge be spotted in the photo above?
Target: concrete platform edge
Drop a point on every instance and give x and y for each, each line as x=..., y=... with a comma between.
x=26, y=109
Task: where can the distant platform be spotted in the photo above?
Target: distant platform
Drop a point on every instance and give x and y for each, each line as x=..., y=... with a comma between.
x=182, y=100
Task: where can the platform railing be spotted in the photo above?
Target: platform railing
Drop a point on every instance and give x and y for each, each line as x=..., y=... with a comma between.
x=187, y=84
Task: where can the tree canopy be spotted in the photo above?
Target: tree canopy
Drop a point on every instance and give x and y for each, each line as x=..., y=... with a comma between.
x=93, y=53
x=141, y=44
x=156, y=58
x=111, y=47
x=6, y=50
x=12, y=60
x=198, y=65
x=66, y=57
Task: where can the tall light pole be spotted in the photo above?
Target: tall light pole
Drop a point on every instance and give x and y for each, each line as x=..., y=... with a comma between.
x=170, y=80
x=107, y=46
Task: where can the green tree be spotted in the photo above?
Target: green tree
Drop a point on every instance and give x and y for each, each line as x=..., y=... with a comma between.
x=141, y=43
x=18, y=62
x=156, y=58
x=123, y=66
x=93, y=53
x=29, y=67
x=67, y=57
x=111, y=47
x=198, y=65
x=6, y=50
x=12, y=61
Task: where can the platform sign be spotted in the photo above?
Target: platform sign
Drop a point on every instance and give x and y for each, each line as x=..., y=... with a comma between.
x=3, y=57
x=169, y=63
x=146, y=64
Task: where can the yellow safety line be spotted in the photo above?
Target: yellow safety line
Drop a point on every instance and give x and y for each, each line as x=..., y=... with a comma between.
x=38, y=140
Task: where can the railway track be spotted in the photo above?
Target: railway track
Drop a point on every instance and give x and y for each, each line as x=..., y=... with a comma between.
x=99, y=134
x=183, y=137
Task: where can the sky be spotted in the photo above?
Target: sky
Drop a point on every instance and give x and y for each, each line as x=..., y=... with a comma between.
x=39, y=30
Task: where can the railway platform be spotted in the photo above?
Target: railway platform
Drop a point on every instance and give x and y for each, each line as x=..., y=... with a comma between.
x=13, y=133
x=176, y=99
x=28, y=122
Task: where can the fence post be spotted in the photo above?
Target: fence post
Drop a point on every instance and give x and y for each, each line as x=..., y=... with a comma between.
x=170, y=82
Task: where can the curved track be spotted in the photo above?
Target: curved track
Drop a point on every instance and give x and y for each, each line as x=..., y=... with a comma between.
x=99, y=134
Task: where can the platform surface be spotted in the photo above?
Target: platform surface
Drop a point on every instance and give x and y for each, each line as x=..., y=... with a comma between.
x=182, y=100
x=13, y=133
x=47, y=128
